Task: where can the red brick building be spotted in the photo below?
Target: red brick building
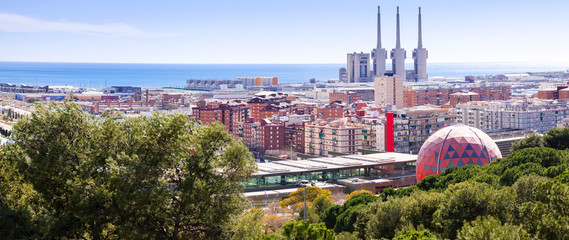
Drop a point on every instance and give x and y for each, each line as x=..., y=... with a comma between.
x=552, y=93
x=226, y=113
x=345, y=97
x=263, y=99
x=294, y=136
x=273, y=109
x=440, y=96
x=463, y=97
x=263, y=136
x=564, y=93
x=333, y=110
x=171, y=98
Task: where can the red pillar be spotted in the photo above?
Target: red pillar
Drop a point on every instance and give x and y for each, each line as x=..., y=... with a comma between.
x=389, y=139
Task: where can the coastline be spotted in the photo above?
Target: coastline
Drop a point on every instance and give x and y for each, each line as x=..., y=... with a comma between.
x=99, y=75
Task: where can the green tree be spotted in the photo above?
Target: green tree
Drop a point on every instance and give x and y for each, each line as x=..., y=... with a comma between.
x=530, y=141
x=62, y=162
x=143, y=177
x=387, y=193
x=511, y=175
x=320, y=205
x=557, y=138
x=421, y=207
x=524, y=187
x=300, y=230
x=248, y=225
x=550, y=211
x=356, y=192
x=345, y=221
x=360, y=198
x=347, y=236
x=450, y=176
x=563, y=177
x=468, y=200
x=181, y=180
x=547, y=157
x=492, y=228
x=311, y=215
x=18, y=217
x=330, y=216
x=555, y=171
x=417, y=235
x=383, y=218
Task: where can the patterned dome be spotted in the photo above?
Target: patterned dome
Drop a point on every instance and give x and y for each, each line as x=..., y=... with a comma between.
x=455, y=146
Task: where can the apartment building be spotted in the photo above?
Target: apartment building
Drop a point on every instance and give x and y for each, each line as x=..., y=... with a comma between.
x=294, y=137
x=560, y=92
x=413, y=126
x=463, y=97
x=346, y=97
x=389, y=91
x=323, y=137
x=262, y=136
x=264, y=103
x=535, y=115
x=227, y=113
x=373, y=132
x=440, y=95
x=334, y=110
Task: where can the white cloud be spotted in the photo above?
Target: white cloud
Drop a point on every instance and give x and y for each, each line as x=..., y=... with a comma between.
x=19, y=23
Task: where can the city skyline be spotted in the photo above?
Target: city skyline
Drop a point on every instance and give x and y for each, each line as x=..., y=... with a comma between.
x=277, y=32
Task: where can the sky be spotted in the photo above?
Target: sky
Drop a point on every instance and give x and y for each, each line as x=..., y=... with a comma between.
x=292, y=31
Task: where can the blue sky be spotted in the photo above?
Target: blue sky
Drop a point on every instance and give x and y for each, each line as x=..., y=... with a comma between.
x=293, y=31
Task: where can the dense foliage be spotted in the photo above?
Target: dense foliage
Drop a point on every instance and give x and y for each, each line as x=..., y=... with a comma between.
x=71, y=175
x=557, y=138
x=523, y=196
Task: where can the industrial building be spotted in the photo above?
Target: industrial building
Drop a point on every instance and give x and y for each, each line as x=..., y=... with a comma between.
x=359, y=62
x=239, y=83
x=398, y=54
x=358, y=67
x=273, y=181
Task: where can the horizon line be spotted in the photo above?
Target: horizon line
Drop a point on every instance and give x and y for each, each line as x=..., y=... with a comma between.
x=253, y=63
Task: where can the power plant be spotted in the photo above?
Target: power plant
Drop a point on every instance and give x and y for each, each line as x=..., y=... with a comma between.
x=358, y=63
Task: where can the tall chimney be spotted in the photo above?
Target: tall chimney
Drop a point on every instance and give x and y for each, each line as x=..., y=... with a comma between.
x=420, y=31
x=398, y=43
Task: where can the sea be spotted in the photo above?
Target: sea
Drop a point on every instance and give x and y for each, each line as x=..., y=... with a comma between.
x=100, y=75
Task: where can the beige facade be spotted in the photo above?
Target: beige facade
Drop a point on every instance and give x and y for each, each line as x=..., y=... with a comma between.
x=373, y=133
x=322, y=137
x=536, y=115
x=413, y=126
x=389, y=91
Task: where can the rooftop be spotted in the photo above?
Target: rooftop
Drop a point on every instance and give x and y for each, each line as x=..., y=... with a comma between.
x=327, y=163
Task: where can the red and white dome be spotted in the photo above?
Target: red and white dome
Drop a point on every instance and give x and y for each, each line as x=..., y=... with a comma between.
x=455, y=146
